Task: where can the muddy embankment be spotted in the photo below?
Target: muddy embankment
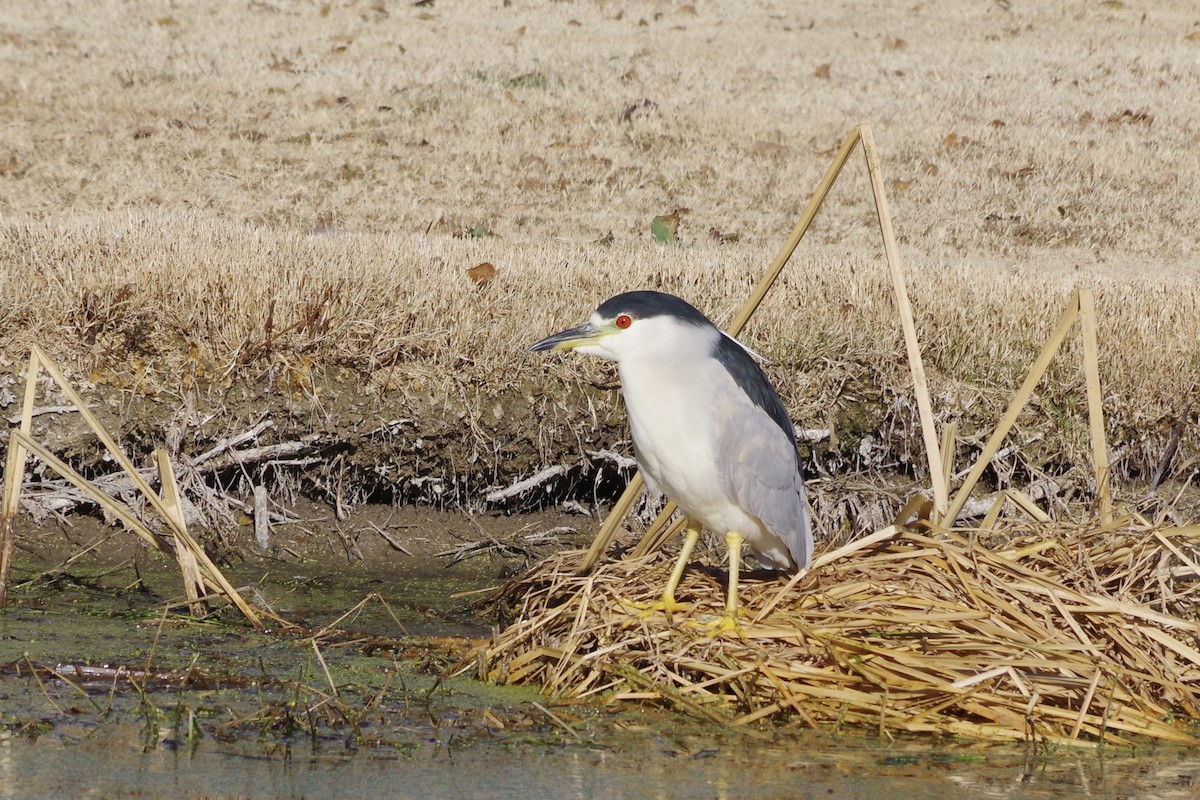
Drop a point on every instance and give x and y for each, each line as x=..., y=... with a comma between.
x=550, y=445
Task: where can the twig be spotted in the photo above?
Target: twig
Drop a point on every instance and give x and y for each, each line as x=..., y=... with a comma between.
x=558, y=720
x=231, y=442
x=42, y=686
x=254, y=455
x=387, y=537
x=15, y=419
x=325, y=667
x=1168, y=454
x=811, y=435
x=622, y=462
x=549, y=535
x=262, y=521
x=520, y=487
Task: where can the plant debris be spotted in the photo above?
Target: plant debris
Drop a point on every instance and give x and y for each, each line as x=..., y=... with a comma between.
x=1032, y=631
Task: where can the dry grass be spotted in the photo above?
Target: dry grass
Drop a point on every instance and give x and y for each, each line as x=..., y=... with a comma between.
x=382, y=118
x=1043, y=632
x=176, y=304
x=268, y=193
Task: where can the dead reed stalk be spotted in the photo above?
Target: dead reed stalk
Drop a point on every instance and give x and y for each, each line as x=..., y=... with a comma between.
x=1050, y=633
x=197, y=568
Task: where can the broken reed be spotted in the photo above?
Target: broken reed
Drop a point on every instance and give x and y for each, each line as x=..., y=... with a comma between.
x=1048, y=633
x=198, y=571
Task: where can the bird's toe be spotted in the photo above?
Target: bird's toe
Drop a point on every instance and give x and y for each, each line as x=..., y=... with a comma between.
x=666, y=605
x=714, y=627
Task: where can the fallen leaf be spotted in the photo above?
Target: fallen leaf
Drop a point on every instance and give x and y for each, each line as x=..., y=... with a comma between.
x=953, y=141
x=11, y=168
x=664, y=228
x=763, y=148
x=1019, y=172
x=482, y=274
x=329, y=101
x=723, y=238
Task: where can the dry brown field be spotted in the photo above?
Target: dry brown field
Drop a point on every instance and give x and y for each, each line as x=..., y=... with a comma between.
x=214, y=214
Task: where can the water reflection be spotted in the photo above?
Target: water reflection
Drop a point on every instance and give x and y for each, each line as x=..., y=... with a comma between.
x=7, y=769
x=112, y=760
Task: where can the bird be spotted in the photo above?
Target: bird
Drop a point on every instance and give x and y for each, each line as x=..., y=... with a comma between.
x=709, y=431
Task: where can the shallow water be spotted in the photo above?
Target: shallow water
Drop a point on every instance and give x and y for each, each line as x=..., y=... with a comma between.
x=110, y=762
x=213, y=709
x=285, y=736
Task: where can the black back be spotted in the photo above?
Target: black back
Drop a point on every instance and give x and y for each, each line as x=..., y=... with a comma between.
x=753, y=381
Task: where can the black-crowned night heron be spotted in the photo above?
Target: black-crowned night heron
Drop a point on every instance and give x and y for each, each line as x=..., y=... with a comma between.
x=708, y=429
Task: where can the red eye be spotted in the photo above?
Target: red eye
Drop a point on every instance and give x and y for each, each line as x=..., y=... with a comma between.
x=623, y=321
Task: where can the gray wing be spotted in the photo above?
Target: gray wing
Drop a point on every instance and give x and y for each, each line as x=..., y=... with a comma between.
x=760, y=466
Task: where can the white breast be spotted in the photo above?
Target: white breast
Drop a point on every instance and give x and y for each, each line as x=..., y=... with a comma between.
x=674, y=430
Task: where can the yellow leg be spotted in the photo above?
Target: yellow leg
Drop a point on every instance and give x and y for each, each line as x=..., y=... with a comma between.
x=733, y=541
x=668, y=603
x=728, y=620
x=690, y=536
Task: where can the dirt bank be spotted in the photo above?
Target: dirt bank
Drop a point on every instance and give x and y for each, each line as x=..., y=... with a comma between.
x=347, y=445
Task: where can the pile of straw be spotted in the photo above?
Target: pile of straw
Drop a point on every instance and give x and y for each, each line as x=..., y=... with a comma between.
x=1041, y=632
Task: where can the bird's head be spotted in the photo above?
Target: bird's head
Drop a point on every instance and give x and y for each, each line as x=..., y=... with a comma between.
x=637, y=325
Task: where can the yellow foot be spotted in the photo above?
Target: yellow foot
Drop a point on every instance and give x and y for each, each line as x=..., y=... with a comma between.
x=725, y=623
x=665, y=605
